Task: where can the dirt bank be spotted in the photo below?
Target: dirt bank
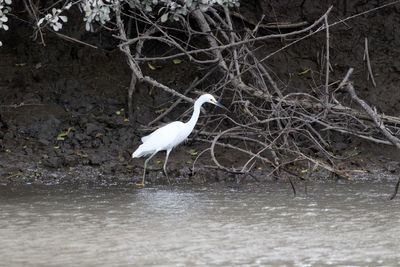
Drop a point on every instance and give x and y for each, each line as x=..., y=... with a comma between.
x=63, y=107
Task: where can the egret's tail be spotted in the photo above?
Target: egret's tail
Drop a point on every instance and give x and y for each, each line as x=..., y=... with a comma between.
x=138, y=152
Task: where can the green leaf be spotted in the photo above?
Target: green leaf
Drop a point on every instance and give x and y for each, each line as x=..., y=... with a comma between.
x=177, y=61
x=193, y=152
x=62, y=135
x=164, y=17
x=304, y=72
x=151, y=66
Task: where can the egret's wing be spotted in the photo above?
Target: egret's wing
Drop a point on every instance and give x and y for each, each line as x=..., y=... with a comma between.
x=168, y=128
x=144, y=138
x=164, y=137
x=156, y=133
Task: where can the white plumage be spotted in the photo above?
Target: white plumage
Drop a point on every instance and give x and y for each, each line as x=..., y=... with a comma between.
x=170, y=135
x=164, y=138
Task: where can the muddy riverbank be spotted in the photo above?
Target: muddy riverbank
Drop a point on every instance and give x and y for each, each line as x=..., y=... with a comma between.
x=63, y=107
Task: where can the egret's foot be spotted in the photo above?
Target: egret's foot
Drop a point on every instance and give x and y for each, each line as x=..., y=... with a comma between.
x=139, y=185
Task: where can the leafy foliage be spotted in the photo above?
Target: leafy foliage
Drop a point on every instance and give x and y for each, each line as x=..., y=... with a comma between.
x=176, y=9
x=97, y=11
x=4, y=10
x=100, y=12
x=55, y=19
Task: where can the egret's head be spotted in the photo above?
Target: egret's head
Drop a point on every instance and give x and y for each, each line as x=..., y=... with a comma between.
x=211, y=99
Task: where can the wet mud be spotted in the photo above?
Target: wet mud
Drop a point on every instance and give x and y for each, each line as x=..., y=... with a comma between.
x=63, y=107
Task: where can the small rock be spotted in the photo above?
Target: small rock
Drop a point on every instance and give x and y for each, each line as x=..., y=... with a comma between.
x=46, y=130
x=392, y=166
x=71, y=160
x=92, y=128
x=80, y=137
x=184, y=171
x=8, y=136
x=44, y=141
x=53, y=162
x=96, y=143
x=28, y=151
x=96, y=159
x=109, y=168
x=67, y=151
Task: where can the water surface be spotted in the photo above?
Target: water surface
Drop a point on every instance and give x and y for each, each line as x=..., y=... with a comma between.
x=331, y=225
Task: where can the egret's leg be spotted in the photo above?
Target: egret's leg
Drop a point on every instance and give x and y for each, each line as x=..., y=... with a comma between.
x=145, y=167
x=165, y=165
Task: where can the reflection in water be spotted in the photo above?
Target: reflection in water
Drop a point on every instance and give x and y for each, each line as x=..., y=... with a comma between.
x=255, y=226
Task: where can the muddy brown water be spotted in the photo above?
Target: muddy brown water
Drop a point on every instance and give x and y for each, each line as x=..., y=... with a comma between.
x=332, y=225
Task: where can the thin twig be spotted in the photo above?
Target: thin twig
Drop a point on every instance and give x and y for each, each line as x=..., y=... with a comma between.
x=135, y=68
x=327, y=62
x=166, y=112
x=374, y=116
x=153, y=82
x=366, y=58
x=72, y=39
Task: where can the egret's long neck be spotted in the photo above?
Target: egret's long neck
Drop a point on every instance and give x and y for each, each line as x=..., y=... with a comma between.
x=195, y=116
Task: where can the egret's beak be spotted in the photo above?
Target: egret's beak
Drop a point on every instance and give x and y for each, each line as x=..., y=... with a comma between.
x=218, y=104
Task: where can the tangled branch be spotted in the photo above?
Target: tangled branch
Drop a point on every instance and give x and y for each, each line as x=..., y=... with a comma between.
x=269, y=126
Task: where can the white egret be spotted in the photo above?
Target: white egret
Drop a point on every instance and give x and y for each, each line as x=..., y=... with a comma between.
x=170, y=135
